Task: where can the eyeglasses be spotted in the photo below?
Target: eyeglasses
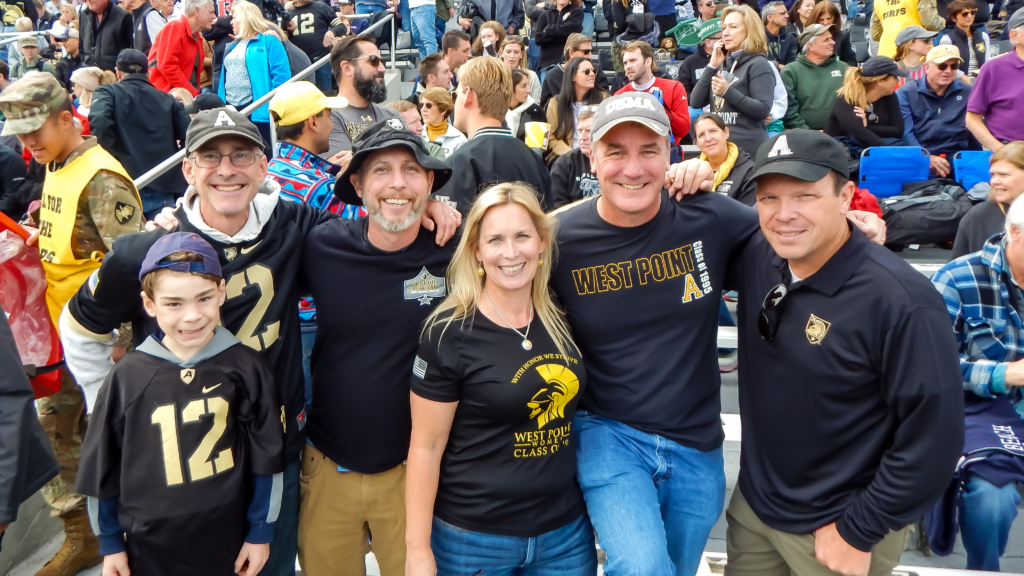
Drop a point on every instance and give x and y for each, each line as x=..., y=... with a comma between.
x=942, y=67
x=771, y=311
x=426, y=105
x=586, y=71
x=373, y=59
x=213, y=159
x=969, y=12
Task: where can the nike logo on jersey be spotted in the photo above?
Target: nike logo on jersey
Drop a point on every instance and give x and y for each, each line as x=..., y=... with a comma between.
x=210, y=389
x=250, y=248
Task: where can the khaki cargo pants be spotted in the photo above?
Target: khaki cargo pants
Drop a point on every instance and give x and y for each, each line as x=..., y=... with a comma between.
x=755, y=549
x=63, y=418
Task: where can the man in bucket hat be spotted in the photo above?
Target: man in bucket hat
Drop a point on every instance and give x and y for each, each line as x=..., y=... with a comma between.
x=88, y=200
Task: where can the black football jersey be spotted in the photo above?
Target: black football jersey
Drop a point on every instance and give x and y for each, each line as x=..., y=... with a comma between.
x=311, y=23
x=262, y=290
x=178, y=444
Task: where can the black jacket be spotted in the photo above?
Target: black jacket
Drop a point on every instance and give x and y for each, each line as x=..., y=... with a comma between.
x=746, y=103
x=782, y=47
x=12, y=177
x=844, y=49
x=102, y=41
x=739, y=184
x=25, y=454
x=690, y=70
x=572, y=179
x=65, y=66
x=978, y=42
x=220, y=36
x=553, y=84
x=552, y=28
x=140, y=126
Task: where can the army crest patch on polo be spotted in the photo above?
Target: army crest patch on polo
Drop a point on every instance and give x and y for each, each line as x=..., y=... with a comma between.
x=816, y=329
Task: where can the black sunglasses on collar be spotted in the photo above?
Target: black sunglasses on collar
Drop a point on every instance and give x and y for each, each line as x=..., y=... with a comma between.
x=771, y=312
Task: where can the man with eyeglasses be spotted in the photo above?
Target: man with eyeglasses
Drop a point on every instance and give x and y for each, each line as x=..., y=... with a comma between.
x=232, y=204
x=359, y=70
x=782, y=43
x=934, y=108
x=850, y=397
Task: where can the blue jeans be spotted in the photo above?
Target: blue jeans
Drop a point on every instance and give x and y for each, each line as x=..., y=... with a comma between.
x=423, y=31
x=403, y=12
x=370, y=7
x=308, y=332
x=322, y=78
x=285, y=546
x=533, y=54
x=10, y=51
x=153, y=203
x=652, y=500
x=588, y=24
x=985, y=515
x=566, y=551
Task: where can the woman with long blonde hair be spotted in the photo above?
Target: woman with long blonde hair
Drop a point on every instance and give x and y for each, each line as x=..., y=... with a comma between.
x=867, y=112
x=492, y=466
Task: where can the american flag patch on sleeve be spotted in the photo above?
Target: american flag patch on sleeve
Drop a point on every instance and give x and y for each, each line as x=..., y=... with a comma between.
x=419, y=367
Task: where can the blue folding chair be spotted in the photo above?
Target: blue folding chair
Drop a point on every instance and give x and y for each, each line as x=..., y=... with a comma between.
x=885, y=169
x=971, y=167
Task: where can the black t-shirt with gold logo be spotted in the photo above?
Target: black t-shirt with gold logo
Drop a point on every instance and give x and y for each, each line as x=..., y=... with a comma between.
x=510, y=464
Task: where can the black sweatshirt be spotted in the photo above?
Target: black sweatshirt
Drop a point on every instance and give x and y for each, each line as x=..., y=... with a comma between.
x=748, y=101
x=552, y=29
x=572, y=180
x=888, y=121
x=853, y=413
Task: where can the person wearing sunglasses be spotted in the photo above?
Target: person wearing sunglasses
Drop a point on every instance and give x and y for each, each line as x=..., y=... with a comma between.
x=912, y=45
x=850, y=395
x=866, y=112
x=578, y=90
x=706, y=10
x=934, y=109
x=359, y=70
x=782, y=43
x=577, y=46
x=436, y=107
x=973, y=41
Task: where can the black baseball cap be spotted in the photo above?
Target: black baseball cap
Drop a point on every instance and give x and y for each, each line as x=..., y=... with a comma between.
x=226, y=121
x=204, y=102
x=385, y=134
x=132, y=62
x=881, y=66
x=181, y=242
x=806, y=155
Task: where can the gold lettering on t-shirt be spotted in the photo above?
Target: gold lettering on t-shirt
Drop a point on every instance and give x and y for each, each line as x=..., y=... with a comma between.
x=654, y=268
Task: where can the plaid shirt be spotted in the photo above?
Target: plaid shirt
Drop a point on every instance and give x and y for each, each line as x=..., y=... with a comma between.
x=977, y=290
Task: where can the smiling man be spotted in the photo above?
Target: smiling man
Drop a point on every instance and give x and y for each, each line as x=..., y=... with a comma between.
x=391, y=273
x=88, y=200
x=850, y=397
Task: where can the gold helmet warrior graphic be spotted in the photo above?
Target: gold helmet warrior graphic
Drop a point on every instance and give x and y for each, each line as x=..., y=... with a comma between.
x=549, y=403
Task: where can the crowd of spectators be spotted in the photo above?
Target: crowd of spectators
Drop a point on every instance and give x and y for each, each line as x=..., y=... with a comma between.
x=513, y=91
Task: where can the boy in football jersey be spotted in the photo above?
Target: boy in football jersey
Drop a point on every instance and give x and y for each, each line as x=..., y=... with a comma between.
x=184, y=457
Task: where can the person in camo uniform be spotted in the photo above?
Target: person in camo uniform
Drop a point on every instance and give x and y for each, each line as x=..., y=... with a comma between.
x=88, y=200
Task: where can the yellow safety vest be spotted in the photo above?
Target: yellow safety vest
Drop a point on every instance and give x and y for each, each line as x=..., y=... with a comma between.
x=58, y=218
x=894, y=15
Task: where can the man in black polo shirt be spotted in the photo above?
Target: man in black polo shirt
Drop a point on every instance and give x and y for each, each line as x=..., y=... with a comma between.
x=850, y=394
x=391, y=274
x=493, y=154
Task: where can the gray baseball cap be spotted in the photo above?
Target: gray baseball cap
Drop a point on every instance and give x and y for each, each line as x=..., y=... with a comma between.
x=913, y=33
x=1016, y=20
x=639, y=107
x=815, y=30
x=226, y=121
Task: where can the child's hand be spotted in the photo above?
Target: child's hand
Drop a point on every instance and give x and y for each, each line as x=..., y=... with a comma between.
x=116, y=565
x=250, y=560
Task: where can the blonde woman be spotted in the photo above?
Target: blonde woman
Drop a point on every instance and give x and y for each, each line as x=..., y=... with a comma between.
x=68, y=16
x=86, y=81
x=867, y=113
x=492, y=466
x=254, y=63
x=435, y=106
x=741, y=88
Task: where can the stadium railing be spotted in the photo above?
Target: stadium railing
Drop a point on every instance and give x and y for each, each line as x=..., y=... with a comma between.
x=176, y=159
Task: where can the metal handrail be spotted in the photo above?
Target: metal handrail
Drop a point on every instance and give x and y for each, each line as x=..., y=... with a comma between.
x=19, y=35
x=174, y=160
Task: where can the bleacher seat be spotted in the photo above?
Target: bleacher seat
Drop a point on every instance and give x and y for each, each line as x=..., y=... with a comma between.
x=860, y=20
x=600, y=24
x=1004, y=46
x=971, y=167
x=605, y=59
x=885, y=169
x=861, y=48
x=858, y=34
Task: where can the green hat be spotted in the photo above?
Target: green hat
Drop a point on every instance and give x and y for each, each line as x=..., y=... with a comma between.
x=28, y=41
x=709, y=29
x=27, y=103
x=685, y=32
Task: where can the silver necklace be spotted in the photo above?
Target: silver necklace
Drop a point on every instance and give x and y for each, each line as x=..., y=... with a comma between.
x=526, y=337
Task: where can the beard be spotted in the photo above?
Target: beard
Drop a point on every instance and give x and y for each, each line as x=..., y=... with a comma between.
x=374, y=212
x=370, y=88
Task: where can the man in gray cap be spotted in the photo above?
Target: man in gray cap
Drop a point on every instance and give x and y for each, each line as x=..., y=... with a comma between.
x=811, y=82
x=87, y=201
x=141, y=126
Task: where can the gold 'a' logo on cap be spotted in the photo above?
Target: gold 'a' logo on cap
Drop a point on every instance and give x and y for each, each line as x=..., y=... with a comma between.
x=187, y=375
x=816, y=329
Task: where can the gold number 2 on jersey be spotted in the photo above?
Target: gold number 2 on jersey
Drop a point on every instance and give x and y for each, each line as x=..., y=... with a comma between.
x=250, y=333
x=199, y=464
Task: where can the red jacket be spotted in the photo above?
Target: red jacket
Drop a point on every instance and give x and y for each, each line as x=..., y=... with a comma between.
x=673, y=97
x=176, y=58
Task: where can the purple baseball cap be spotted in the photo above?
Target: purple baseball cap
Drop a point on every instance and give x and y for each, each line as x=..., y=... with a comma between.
x=181, y=242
